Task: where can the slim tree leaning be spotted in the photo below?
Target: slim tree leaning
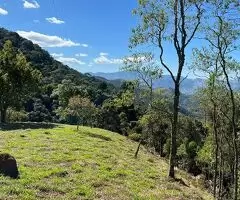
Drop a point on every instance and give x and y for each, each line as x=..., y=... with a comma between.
x=147, y=71
x=207, y=61
x=222, y=33
x=168, y=24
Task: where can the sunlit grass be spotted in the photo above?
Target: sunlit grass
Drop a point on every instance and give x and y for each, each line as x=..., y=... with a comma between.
x=61, y=163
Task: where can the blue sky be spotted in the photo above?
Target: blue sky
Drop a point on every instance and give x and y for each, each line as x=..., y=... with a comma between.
x=90, y=35
x=87, y=35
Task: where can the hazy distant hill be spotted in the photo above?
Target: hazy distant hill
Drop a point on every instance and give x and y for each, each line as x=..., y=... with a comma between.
x=188, y=86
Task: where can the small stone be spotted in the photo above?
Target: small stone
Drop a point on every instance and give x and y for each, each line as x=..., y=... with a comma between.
x=8, y=166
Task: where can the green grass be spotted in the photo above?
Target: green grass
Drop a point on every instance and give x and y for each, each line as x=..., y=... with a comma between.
x=61, y=163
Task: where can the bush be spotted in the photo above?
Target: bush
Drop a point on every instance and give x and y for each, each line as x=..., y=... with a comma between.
x=192, y=149
x=205, y=157
x=16, y=116
x=181, y=151
x=166, y=148
x=135, y=136
x=187, y=153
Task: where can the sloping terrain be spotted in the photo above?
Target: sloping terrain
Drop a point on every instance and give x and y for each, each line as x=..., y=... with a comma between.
x=57, y=162
x=52, y=70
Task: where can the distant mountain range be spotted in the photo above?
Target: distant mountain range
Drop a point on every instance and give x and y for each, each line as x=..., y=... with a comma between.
x=188, y=86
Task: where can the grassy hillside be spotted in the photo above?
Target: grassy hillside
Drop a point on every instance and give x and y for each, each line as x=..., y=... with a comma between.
x=58, y=162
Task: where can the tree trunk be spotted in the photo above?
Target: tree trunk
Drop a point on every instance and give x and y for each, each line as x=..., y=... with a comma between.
x=161, y=147
x=234, y=130
x=151, y=94
x=235, y=170
x=216, y=150
x=173, y=149
x=136, y=153
x=220, y=170
x=3, y=115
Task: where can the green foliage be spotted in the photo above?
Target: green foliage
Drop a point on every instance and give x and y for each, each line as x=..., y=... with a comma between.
x=205, y=154
x=166, y=147
x=82, y=109
x=125, y=126
x=18, y=79
x=55, y=85
x=117, y=113
x=16, y=116
x=182, y=151
x=191, y=149
x=66, y=90
x=39, y=113
x=147, y=71
x=135, y=136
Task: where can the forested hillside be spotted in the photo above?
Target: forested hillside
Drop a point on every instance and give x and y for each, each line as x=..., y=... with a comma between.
x=41, y=104
x=52, y=70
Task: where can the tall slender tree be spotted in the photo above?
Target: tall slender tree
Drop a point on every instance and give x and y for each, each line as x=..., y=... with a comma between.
x=206, y=61
x=174, y=23
x=222, y=32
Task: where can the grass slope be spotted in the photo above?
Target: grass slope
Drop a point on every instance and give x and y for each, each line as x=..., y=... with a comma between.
x=61, y=163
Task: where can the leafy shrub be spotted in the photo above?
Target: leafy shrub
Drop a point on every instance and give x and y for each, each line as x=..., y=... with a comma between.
x=16, y=116
x=191, y=149
x=181, y=151
x=205, y=154
x=166, y=147
x=135, y=136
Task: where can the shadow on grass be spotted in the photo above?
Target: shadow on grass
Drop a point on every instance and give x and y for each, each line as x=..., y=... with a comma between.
x=26, y=125
x=94, y=135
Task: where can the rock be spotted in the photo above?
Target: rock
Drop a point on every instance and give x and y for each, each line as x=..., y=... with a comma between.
x=8, y=165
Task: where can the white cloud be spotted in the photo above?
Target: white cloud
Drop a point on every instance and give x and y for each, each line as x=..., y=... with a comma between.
x=57, y=55
x=3, y=12
x=32, y=4
x=105, y=60
x=81, y=55
x=103, y=54
x=48, y=40
x=54, y=20
x=67, y=60
x=84, y=45
x=70, y=61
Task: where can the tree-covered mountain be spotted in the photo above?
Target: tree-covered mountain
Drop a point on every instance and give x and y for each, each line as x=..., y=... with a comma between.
x=58, y=83
x=53, y=71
